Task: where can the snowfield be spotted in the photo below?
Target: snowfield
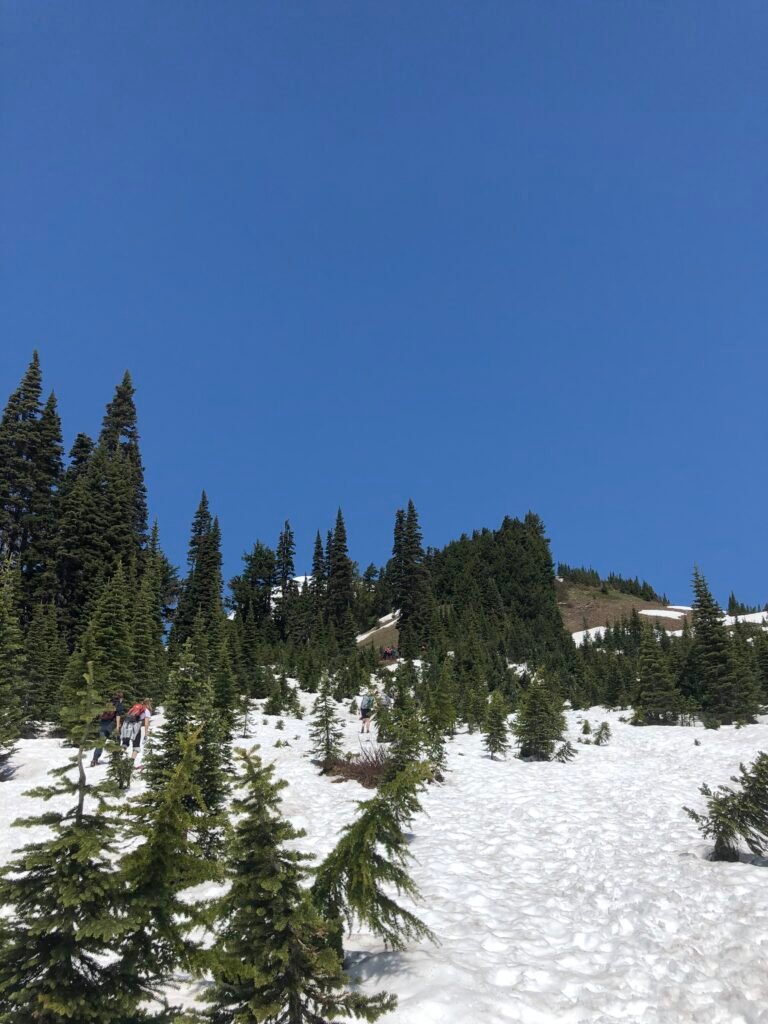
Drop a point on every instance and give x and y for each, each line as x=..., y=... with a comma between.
x=560, y=893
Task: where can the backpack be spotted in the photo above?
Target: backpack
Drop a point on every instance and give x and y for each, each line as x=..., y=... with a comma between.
x=366, y=704
x=134, y=715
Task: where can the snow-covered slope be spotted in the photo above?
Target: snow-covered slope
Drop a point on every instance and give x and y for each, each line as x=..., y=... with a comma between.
x=560, y=894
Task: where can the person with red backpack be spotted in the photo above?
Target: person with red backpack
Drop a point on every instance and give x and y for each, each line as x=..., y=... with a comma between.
x=136, y=724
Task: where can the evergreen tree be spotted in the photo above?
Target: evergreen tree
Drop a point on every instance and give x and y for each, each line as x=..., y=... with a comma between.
x=658, y=701
x=107, y=643
x=496, y=735
x=340, y=593
x=13, y=662
x=733, y=814
x=540, y=722
x=190, y=705
x=272, y=962
x=18, y=449
x=46, y=661
x=119, y=433
x=155, y=920
x=201, y=593
x=326, y=731
x=725, y=693
x=414, y=587
x=60, y=936
x=370, y=860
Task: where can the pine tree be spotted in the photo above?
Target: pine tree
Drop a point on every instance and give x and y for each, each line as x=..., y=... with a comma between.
x=540, y=722
x=13, y=662
x=119, y=433
x=107, y=643
x=155, y=921
x=46, y=661
x=272, y=962
x=340, y=593
x=733, y=814
x=414, y=587
x=725, y=693
x=326, y=731
x=201, y=591
x=370, y=860
x=190, y=705
x=38, y=562
x=658, y=701
x=496, y=739
x=59, y=938
x=18, y=449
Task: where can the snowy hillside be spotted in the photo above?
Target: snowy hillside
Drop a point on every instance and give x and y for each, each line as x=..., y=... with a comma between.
x=559, y=892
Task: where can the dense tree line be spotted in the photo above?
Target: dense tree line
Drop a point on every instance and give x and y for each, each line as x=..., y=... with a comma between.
x=613, y=581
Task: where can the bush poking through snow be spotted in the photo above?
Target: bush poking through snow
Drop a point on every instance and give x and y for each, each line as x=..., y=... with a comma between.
x=603, y=735
x=326, y=731
x=565, y=752
x=369, y=767
x=586, y=728
x=738, y=813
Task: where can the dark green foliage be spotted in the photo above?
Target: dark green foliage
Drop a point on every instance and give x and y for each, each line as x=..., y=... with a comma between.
x=586, y=728
x=658, y=700
x=734, y=814
x=410, y=585
x=201, y=592
x=340, y=594
x=326, y=731
x=13, y=661
x=496, y=738
x=726, y=691
x=156, y=921
x=602, y=735
x=190, y=705
x=46, y=661
x=540, y=722
x=273, y=962
x=370, y=860
x=56, y=942
x=565, y=752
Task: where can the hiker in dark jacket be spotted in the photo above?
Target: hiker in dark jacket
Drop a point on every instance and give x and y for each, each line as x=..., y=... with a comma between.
x=366, y=711
x=107, y=723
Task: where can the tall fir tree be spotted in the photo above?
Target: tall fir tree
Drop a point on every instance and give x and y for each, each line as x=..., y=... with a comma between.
x=496, y=734
x=658, y=701
x=13, y=661
x=59, y=937
x=119, y=433
x=341, y=592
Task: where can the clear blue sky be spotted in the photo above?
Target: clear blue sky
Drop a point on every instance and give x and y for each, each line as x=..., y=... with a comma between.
x=489, y=255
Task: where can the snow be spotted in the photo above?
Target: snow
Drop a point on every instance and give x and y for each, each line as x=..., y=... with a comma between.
x=567, y=893
x=595, y=633
x=386, y=620
x=680, y=607
x=758, y=618
x=662, y=613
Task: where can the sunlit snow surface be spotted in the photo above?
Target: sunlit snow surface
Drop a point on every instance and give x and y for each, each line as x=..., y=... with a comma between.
x=559, y=892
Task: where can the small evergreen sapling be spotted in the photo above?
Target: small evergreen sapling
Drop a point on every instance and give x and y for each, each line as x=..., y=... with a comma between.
x=496, y=738
x=603, y=735
x=565, y=752
x=371, y=858
x=273, y=961
x=325, y=731
x=737, y=813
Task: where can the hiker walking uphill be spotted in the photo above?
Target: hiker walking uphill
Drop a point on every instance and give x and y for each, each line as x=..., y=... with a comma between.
x=366, y=712
x=111, y=718
x=136, y=724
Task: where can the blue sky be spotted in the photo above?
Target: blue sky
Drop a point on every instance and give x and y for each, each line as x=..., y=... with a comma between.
x=492, y=256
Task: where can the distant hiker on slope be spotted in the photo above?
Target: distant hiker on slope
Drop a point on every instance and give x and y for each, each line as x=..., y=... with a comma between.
x=135, y=723
x=366, y=711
